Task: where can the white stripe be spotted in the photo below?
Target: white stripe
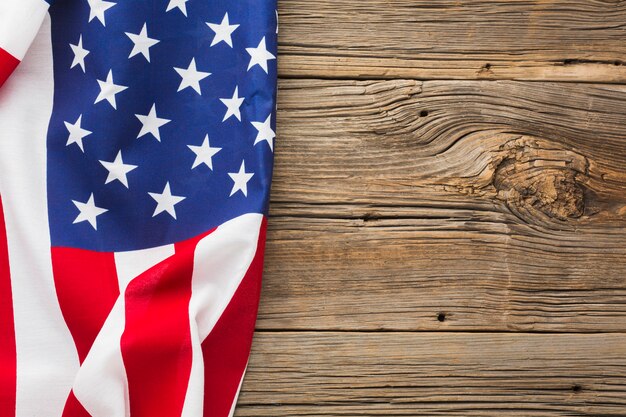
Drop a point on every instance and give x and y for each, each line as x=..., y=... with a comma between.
x=221, y=260
x=46, y=356
x=133, y=263
x=101, y=385
x=19, y=23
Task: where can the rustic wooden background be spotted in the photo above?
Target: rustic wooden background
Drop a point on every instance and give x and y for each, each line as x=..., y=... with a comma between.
x=447, y=230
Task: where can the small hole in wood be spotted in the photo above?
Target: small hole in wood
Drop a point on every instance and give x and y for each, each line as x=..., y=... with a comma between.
x=617, y=63
x=424, y=113
x=487, y=66
x=576, y=388
x=441, y=317
x=368, y=217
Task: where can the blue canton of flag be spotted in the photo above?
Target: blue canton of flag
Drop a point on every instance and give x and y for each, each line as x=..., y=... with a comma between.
x=164, y=125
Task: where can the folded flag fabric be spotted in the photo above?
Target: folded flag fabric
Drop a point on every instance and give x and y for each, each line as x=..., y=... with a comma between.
x=136, y=150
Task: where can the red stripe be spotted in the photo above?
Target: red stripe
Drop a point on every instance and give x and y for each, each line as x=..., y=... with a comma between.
x=86, y=285
x=156, y=343
x=227, y=347
x=73, y=407
x=8, y=359
x=8, y=63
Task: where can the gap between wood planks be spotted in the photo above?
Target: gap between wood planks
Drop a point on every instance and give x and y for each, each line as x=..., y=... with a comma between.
x=598, y=68
x=425, y=331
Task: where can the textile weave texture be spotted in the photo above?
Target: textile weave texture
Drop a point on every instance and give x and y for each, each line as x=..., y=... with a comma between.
x=136, y=157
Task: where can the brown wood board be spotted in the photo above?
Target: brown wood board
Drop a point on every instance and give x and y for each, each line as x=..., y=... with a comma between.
x=426, y=374
x=566, y=40
x=503, y=208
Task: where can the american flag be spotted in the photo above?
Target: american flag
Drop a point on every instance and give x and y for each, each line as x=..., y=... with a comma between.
x=136, y=149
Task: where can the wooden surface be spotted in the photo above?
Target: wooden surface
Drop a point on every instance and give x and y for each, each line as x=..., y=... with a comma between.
x=448, y=220
x=570, y=40
x=422, y=374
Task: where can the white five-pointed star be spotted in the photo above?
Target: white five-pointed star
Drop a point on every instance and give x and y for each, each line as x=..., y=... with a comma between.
x=108, y=90
x=259, y=56
x=118, y=170
x=191, y=76
x=204, y=153
x=166, y=201
x=223, y=31
x=98, y=7
x=233, y=105
x=151, y=123
x=265, y=132
x=142, y=43
x=88, y=212
x=240, y=180
x=79, y=54
x=77, y=133
x=180, y=4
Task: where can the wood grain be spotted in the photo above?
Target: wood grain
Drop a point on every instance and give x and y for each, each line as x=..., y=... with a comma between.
x=567, y=40
x=428, y=374
x=447, y=225
x=501, y=205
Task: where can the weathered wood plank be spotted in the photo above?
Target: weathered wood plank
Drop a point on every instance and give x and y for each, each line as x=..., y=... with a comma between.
x=503, y=207
x=426, y=374
x=568, y=40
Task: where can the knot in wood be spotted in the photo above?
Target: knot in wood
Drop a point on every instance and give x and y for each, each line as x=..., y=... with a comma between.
x=538, y=180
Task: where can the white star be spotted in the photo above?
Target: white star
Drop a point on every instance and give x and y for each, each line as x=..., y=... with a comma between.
x=191, y=76
x=151, y=123
x=233, y=105
x=204, y=153
x=240, y=180
x=88, y=212
x=223, y=31
x=259, y=56
x=79, y=54
x=118, y=170
x=108, y=90
x=166, y=201
x=77, y=133
x=180, y=4
x=98, y=7
x=142, y=43
x=265, y=132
